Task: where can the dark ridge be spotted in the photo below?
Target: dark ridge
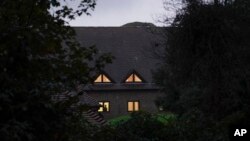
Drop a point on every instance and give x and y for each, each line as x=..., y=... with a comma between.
x=135, y=24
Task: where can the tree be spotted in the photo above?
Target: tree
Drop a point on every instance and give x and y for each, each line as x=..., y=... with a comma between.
x=39, y=57
x=206, y=72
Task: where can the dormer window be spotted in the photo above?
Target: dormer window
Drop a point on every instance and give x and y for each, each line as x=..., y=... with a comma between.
x=102, y=78
x=134, y=78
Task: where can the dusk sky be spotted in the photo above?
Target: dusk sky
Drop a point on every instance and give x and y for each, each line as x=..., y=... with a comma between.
x=119, y=12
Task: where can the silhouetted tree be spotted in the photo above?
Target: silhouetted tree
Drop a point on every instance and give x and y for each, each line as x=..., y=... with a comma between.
x=206, y=71
x=39, y=57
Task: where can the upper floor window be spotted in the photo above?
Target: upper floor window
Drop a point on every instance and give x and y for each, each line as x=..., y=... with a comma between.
x=102, y=78
x=133, y=78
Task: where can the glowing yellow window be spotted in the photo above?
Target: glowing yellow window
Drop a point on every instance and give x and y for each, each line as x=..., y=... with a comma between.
x=104, y=106
x=133, y=78
x=133, y=106
x=102, y=79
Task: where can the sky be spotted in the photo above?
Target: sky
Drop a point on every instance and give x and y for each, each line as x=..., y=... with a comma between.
x=120, y=12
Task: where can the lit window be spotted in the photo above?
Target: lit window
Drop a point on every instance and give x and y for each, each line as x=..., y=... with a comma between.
x=133, y=106
x=104, y=107
x=133, y=78
x=102, y=79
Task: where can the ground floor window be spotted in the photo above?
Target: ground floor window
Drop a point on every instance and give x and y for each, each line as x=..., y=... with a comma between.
x=104, y=106
x=133, y=106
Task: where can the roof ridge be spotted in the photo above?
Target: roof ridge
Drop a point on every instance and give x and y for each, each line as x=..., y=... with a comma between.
x=116, y=27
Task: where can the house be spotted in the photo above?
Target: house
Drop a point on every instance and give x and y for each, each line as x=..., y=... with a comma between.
x=126, y=85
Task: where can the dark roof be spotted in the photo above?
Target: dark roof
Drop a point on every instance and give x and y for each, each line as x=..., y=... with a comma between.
x=85, y=99
x=132, y=47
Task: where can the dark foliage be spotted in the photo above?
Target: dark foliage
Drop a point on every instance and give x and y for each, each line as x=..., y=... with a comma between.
x=40, y=57
x=142, y=126
x=206, y=74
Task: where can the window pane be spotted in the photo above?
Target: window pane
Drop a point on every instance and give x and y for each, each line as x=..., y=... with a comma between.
x=100, y=109
x=130, y=106
x=133, y=78
x=137, y=79
x=98, y=79
x=136, y=106
x=106, y=106
x=105, y=79
x=130, y=78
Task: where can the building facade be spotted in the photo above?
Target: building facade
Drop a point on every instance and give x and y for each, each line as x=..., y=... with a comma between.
x=126, y=85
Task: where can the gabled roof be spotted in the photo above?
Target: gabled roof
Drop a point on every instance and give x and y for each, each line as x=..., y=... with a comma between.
x=132, y=47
